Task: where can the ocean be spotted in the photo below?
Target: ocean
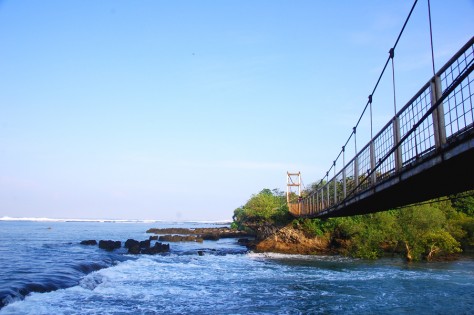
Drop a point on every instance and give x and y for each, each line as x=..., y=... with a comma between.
x=44, y=270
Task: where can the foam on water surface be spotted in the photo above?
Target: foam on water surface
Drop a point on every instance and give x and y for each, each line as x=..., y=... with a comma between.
x=228, y=280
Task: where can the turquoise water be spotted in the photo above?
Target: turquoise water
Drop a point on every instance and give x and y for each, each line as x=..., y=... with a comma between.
x=73, y=279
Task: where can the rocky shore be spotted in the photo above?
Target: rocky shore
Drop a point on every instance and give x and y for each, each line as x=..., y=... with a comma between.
x=266, y=238
x=153, y=245
x=288, y=240
x=197, y=235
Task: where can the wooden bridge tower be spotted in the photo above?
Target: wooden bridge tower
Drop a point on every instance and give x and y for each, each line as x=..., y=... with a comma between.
x=292, y=180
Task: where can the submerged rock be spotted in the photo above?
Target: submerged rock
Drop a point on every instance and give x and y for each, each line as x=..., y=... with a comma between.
x=243, y=241
x=89, y=242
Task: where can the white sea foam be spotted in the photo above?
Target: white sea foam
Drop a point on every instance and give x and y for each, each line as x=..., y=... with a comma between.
x=279, y=256
x=184, y=283
x=236, y=284
x=44, y=219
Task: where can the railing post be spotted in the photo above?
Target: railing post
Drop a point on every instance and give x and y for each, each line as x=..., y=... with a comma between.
x=396, y=140
x=439, y=128
x=317, y=200
x=327, y=185
x=327, y=196
x=335, y=184
x=373, y=177
x=344, y=172
x=327, y=190
x=356, y=164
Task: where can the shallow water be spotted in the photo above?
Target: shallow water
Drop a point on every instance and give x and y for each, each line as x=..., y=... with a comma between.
x=226, y=280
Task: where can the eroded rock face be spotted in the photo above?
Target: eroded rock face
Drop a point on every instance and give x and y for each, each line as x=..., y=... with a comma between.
x=289, y=241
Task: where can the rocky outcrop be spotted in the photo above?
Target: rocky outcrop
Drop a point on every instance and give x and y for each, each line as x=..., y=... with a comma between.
x=133, y=246
x=109, y=245
x=170, y=231
x=213, y=234
x=288, y=240
x=156, y=249
x=180, y=238
x=144, y=247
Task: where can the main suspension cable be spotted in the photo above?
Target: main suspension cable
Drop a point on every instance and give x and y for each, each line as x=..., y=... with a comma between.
x=369, y=102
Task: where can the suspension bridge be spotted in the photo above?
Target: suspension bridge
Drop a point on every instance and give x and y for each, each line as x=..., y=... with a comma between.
x=425, y=151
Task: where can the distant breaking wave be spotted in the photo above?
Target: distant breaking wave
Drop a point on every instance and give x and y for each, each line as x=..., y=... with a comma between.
x=7, y=218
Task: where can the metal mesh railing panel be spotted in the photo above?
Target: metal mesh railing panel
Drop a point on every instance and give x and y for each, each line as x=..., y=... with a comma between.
x=339, y=187
x=422, y=139
x=383, y=143
x=458, y=107
x=364, y=168
x=350, y=179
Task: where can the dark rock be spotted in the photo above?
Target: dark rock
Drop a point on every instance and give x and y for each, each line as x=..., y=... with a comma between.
x=109, y=245
x=210, y=237
x=198, y=234
x=171, y=231
x=134, y=249
x=179, y=238
x=153, y=238
x=89, y=242
x=222, y=232
x=243, y=241
x=156, y=249
x=145, y=244
x=200, y=253
x=131, y=243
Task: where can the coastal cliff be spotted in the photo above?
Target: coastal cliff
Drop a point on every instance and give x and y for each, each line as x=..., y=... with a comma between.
x=288, y=240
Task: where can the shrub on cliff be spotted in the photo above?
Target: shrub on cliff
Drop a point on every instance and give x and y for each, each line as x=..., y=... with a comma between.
x=266, y=207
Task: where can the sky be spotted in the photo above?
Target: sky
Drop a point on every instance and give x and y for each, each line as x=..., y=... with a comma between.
x=181, y=110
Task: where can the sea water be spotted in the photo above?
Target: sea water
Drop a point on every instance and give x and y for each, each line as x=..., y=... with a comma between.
x=44, y=270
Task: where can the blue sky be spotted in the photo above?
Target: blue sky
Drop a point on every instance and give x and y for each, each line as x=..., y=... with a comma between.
x=180, y=110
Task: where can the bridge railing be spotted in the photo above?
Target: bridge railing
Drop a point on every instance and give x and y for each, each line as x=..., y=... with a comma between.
x=442, y=110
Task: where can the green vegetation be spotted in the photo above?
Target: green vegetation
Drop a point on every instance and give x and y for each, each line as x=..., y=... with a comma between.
x=266, y=207
x=434, y=230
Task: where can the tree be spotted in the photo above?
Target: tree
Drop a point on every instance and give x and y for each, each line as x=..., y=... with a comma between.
x=266, y=207
x=424, y=234
x=464, y=202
